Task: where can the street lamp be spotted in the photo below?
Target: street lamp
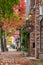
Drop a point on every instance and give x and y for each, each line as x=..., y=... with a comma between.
x=28, y=26
x=30, y=18
x=30, y=15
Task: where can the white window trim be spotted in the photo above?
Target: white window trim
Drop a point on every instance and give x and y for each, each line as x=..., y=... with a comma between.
x=40, y=10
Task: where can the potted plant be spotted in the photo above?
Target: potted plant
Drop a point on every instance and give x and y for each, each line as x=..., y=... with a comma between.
x=25, y=51
x=6, y=49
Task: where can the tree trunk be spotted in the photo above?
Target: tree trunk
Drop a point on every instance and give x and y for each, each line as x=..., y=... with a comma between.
x=2, y=45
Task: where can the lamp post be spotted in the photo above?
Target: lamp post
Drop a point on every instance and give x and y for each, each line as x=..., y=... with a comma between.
x=28, y=26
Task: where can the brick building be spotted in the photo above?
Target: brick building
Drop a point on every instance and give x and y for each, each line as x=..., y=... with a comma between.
x=36, y=36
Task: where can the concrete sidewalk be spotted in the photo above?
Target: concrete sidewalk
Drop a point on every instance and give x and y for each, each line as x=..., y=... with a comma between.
x=14, y=58
x=17, y=58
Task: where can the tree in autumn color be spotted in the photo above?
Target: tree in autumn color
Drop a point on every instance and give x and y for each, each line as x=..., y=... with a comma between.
x=12, y=14
x=6, y=12
x=19, y=12
x=18, y=17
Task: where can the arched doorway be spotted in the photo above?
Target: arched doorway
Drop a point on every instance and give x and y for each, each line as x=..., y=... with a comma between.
x=41, y=35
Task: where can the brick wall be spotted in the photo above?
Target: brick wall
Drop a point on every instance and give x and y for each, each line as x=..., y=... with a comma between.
x=32, y=3
x=32, y=34
x=37, y=29
x=35, y=35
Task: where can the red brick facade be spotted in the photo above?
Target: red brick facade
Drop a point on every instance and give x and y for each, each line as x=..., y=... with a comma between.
x=36, y=37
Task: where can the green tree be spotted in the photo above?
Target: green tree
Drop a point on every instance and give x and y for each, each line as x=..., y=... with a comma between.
x=6, y=8
x=24, y=35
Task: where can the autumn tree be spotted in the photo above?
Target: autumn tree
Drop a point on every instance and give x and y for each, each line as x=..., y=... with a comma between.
x=18, y=18
x=12, y=13
x=6, y=12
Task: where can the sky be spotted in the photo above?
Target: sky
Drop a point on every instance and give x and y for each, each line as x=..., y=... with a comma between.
x=25, y=0
x=27, y=7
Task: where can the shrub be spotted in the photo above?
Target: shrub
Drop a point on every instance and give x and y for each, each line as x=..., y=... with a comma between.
x=25, y=49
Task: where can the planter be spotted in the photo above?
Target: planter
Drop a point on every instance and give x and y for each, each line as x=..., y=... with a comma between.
x=26, y=53
x=6, y=49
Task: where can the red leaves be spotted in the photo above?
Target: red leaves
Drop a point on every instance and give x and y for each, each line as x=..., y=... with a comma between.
x=20, y=12
x=19, y=19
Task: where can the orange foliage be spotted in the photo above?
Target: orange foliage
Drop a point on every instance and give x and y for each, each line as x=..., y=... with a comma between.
x=19, y=19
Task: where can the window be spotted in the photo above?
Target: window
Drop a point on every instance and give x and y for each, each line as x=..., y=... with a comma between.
x=41, y=1
x=33, y=45
x=40, y=10
x=41, y=7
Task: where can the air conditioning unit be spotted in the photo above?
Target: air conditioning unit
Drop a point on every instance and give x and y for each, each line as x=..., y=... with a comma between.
x=40, y=10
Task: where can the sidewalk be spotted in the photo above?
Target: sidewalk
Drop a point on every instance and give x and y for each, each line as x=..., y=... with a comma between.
x=18, y=58
x=15, y=58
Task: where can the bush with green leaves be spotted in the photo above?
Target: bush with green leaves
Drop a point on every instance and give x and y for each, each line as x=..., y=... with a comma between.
x=25, y=49
x=24, y=35
x=6, y=8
